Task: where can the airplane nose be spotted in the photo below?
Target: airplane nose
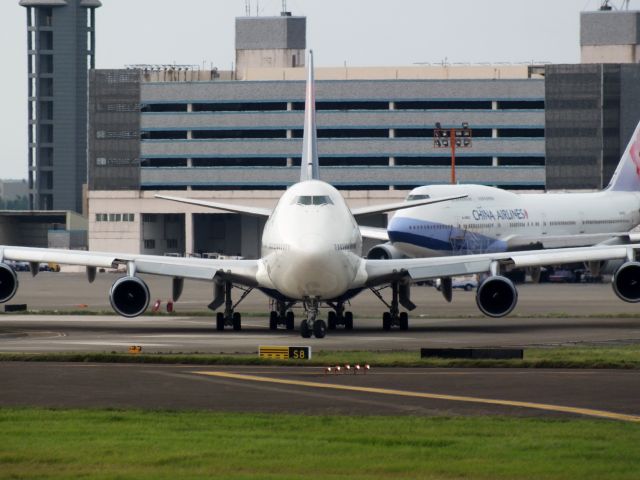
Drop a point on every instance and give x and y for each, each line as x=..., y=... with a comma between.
x=312, y=245
x=314, y=268
x=396, y=228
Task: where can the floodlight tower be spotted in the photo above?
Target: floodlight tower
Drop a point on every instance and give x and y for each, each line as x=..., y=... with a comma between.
x=452, y=137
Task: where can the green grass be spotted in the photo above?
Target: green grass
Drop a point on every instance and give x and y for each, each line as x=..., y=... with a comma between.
x=625, y=356
x=104, y=444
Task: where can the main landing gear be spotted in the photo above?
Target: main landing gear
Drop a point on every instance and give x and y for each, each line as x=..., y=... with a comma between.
x=312, y=325
x=400, y=293
x=339, y=317
x=282, y=315
x=222, y=295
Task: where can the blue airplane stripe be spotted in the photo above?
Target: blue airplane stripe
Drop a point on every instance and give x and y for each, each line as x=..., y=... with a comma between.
x=438, y=238
x=398, y=236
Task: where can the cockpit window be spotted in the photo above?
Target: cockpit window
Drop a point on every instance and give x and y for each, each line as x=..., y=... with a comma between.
x=417, y=197
x=313, y=200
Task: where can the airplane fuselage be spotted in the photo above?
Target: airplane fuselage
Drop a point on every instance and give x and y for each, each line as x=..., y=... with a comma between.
x=311, y=245
x=494, y=220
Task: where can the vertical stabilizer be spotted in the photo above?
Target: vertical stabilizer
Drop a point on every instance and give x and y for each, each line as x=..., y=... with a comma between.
x=626, y=178
x=309, y=169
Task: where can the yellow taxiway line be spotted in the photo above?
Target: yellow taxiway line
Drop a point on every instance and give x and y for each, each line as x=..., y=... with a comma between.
x=433, y=396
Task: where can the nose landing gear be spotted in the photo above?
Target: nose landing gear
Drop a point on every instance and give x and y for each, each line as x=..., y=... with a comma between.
x=312, y=325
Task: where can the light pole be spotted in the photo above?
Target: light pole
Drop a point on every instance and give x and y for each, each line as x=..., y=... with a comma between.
x=452, y=137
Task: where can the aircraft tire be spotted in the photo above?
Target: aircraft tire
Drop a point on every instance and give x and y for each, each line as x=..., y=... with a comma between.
x=220, y=321
x=319, y=328
x=273, y=320
x=348, y=321
x=289, y=319
x=332, y=320
x=236, y=319
x=305, y=331
x=404, y=321
x=386, y=321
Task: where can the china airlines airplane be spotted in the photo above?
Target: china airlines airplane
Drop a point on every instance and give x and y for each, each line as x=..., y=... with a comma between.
x=312, y=255
x=490, y=220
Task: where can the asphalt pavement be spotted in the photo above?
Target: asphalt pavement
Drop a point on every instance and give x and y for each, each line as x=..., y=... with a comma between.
x=308, y=390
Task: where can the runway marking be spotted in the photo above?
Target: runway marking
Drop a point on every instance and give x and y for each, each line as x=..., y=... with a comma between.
x=433, y=396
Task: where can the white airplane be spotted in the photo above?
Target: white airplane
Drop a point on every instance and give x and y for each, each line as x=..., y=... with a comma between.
x=489, y=219
x=311, y=254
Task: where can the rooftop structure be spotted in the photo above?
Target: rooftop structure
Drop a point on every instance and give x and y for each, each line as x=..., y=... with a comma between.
x=270, y=42
x=608, y=36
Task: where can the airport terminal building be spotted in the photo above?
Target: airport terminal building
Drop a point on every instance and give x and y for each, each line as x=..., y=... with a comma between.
x=235, y=136
x=241, y=140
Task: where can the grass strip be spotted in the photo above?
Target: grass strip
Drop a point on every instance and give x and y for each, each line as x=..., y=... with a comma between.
x=616, y=357
x=102, y=444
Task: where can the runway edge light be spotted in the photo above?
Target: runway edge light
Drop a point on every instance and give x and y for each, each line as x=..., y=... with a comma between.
x=284, y=352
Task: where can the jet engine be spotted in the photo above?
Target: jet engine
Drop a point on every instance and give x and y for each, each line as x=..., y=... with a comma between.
x=129, y=296
x=385, y=251
x=496, y=296
x=8, y=283
x=626, y=282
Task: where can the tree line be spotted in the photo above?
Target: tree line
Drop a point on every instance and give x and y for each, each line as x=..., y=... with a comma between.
x=18, y=203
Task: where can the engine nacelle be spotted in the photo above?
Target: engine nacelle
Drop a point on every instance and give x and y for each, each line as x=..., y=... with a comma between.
x=626, y=282
x=385, y=251
x=129, y=296
x=8, y=283
x=496, y=296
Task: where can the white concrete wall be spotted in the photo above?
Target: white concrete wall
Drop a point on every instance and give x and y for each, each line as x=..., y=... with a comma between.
x=610, y=54
x=417, y=72
x=267, y=58
x=239, y=237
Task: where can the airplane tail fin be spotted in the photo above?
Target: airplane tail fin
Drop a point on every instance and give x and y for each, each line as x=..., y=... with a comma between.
x=626, y=178
x=309, y=166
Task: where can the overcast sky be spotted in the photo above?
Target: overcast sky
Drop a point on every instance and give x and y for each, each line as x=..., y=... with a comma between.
x=358, y=32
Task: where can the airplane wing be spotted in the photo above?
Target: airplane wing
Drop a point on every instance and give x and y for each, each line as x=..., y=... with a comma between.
x=379, y=272
x=390, y=207
x=238, y=271
x=519, y=242
x=227, y=207
x=374, y=232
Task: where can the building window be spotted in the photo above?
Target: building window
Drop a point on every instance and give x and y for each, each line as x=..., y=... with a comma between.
x=150, y=244
x=149, y=218
x=115, y=217
x=172, y=243
x=101, y=161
